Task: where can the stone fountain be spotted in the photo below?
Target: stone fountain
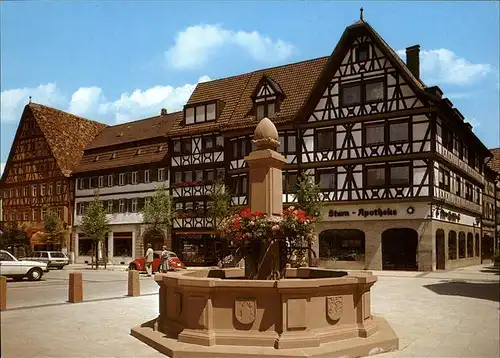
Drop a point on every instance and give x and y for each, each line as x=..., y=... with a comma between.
x=312, y=312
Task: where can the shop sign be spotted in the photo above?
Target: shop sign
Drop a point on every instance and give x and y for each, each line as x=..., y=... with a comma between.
x=448, y=215
x=364, y=213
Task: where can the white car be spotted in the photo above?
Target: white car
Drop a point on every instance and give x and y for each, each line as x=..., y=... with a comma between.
x=12, y=267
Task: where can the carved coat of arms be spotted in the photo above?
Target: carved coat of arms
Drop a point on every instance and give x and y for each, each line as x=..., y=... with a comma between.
x=334, y=307
x=244, y=310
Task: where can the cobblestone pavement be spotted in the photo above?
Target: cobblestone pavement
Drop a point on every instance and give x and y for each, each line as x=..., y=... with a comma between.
x=437, y=314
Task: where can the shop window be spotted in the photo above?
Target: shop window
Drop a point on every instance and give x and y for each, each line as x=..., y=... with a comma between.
x=452, y=245
x=122, y=244
x=84, y=246
x=470, y=245
x=342, y=245
x=461, y=245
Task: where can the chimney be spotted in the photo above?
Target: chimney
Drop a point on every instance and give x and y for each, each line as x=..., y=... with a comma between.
x=413, y=60
x=163, y=111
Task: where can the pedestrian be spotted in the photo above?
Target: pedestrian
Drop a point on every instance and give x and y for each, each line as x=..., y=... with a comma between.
x=164, y=260
x=149, y=260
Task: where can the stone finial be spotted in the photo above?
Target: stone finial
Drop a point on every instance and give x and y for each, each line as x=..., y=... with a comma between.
x=266, y=135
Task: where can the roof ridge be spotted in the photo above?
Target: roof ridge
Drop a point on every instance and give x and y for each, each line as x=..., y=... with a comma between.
x=144, y=119
x=264, y=69
x=66, y=112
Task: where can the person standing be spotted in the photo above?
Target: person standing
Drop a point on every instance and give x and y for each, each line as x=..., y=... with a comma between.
x=149, y=260
x=164, y=260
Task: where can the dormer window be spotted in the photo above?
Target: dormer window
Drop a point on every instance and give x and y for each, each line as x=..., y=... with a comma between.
x=267, y=98
x=200, y=114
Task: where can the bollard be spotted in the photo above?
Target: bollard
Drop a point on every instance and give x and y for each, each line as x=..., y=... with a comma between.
x=3, y=293
x=75, y=293
x=134, y=288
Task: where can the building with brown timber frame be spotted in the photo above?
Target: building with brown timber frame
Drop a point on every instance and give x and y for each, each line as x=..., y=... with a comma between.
x=402, y=175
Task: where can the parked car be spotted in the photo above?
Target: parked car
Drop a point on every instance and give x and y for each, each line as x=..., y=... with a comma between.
x=16, y=269
x=173, y=261
x=55, y=259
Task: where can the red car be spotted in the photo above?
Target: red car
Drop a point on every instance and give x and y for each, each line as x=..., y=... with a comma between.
x=173, y=262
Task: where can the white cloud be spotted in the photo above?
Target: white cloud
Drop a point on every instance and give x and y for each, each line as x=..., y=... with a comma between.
x=85, y=100
x=90, y=102
x=443, y=66
x=196, y=44
x=143, y=103
x=13, y=100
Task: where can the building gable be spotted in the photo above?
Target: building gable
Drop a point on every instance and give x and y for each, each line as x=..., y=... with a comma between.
x=364, y=76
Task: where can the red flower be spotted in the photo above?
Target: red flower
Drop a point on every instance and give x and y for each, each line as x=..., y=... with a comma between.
x=246, y=213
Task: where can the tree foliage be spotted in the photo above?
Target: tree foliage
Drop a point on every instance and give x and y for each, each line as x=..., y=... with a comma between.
x=13, y=235
x=54, y=227
x=221, y=198
x=308, y=195
x=95, y=223
x=157, y=213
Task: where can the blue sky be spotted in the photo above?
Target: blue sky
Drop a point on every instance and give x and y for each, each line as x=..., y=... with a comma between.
x=119, y=61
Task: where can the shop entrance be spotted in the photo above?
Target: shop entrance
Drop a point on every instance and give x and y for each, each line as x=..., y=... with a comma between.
x=399, y=249
x=440, y=250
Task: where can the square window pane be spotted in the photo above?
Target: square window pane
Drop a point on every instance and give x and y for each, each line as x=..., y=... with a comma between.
x=400, y=175
x=398, y=132
x=291, y=144
x=177, y=177
x=200, y=114
x=177, y=146
x=271, y=109
x=281, y=147
x=325, y=140
x=351, y=95
x=220, y=142
x=374, y=91
x=211, y=112
x=189, y=115
x=374, y=134
x=260, y=111
x=327, y=181
x=210, y=175
x=375, y=176
x=198, y=175
x=209, y=143
x=188, y=176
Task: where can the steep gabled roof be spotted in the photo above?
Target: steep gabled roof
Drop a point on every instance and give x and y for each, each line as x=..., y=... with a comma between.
x=66, y=134
x=295, y=81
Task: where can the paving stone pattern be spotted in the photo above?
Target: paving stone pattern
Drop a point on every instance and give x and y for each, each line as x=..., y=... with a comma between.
x=439, y=314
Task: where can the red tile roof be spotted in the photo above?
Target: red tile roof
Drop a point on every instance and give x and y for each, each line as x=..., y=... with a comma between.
x=66, y=134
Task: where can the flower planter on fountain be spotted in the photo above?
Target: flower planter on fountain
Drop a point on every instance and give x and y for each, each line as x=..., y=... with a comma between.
x=267, y=309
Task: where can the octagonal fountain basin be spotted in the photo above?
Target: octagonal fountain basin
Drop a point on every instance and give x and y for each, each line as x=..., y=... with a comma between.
x=311, y=313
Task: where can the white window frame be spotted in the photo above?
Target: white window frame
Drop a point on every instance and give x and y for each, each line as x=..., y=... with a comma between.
x=121, y=206
x=80, y=183
x=49, y=189
x=34, y=215
x=161, y=174
x=81, y=209
x=33, y=190
x=110, y=206
x=134, y=177
x=25, y=216
x=121, y=179
x=42, y=189
x=101, y=181
x=58, y=187
x=110, y=180
x=134, y=205
x=147, y=176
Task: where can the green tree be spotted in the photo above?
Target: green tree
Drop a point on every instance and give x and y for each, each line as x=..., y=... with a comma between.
x=308, y=195
x=158, y=212
x=54, y=228
x=221, y=198
x=95, y=224
x=13, y=237
x=308, y=198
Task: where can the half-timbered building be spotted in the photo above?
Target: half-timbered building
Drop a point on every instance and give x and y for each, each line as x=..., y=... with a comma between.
x=401, y=173
x=47, y=147
x=494, y=179
x=124, y=165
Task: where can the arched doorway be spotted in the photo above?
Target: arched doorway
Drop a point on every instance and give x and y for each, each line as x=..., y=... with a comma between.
x=342, y=245
x=440, y=250
x=399, y=249
x=154, y=237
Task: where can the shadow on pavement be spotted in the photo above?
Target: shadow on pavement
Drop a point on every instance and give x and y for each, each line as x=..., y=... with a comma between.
x=481, y=290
